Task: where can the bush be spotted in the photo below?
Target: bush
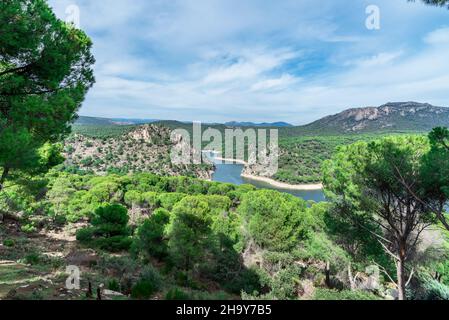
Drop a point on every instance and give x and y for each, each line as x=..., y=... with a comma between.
x=151, y=199
x=327, y=294
x=143, y=289
x=9, y=243
x=150, y=235
x=114, y=285
x=85, y=235
x=109, y=229
x=176, y=294
x=169, y=200
x=435, y=290
x=429, y=289
x=276, y=221
x=28, y=228
x=33, y=258
x=149, y=283
x=113, y=244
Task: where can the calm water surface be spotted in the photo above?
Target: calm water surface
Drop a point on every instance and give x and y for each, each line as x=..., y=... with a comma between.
x=231, y=173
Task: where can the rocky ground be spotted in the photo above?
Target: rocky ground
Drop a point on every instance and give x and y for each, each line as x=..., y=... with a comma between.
x=33, y=266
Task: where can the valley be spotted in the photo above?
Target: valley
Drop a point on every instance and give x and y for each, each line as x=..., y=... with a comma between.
x=300, y=183
x=302, y=151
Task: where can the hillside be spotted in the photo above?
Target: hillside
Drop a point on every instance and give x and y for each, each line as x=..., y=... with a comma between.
x=252, y=124
x=140, y=149
x=390, y=117
x=93, y=121
x=303, y=149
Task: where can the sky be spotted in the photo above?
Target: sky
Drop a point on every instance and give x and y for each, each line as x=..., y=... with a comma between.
x=260, y=60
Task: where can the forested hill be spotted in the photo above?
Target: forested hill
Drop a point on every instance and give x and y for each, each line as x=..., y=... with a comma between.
x=143, y=148
x=390, y=117
x=95, y=121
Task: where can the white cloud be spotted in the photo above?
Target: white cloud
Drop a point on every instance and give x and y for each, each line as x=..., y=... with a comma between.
x=439, y=36
x=218, y=60
x=275, y=83
x=379, y=59
x=249, y=64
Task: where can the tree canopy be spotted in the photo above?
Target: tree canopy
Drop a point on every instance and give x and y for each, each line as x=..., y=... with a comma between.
x=371, y=183
x=440, y=3
x=45, y=73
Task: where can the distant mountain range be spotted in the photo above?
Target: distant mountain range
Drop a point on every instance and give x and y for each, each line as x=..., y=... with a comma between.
x=83, y=120
x=94, y=121
x=390, y=117
x=252, y=124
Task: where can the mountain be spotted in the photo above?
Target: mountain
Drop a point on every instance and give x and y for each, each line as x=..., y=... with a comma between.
x=94, y=121
x=390, y=117
x=252, y=124
x=124, y=121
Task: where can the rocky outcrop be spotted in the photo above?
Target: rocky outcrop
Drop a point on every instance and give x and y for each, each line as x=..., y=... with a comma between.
x=393, y=116
x=144, y=149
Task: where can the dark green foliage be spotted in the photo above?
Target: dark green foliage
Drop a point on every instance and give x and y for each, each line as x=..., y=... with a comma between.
x=326, y=294
x=367, y=180
x=8, y=243
x=149, y=283
x=434, y=290
x=439, y=3
x=150, y=235
x=275, y=220
x=109, y=229
x=45, y=72
x=177, y=294
x=190, y=233
x=33, y=258
x=169, y=200
x=114, y=285
x=435, y=173
x=101, y=131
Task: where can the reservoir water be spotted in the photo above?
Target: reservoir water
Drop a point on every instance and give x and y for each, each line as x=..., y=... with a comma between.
x=231, y=173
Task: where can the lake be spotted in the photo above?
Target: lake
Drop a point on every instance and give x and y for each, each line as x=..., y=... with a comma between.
x=231, y=173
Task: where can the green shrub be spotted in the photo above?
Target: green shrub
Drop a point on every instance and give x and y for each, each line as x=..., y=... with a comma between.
x=143, y=289
x=327, y=294
x=28, y=228
x=150, y=235
x=113, y=244
x=33, y=258
x=436, y=290
x=149, y=283
x=151, y=199
x=169, y=200
x=60, y=219
x=276, y=221
x=109, y=229
x=430, y=289
x=85, y=235
x=176, y=294
x=114, y=285
x=9, y=243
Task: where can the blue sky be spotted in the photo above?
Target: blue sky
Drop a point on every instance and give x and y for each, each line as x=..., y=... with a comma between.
x=260, y=60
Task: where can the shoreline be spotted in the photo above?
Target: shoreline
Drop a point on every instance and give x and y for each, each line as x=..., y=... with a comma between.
x=231, y=161
x=272, y=182
x=283, y=185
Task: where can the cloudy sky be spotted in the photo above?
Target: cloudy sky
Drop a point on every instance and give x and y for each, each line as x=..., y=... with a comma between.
x=260, y=60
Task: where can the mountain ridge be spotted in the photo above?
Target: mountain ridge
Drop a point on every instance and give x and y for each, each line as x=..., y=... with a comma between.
x=392, y=116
